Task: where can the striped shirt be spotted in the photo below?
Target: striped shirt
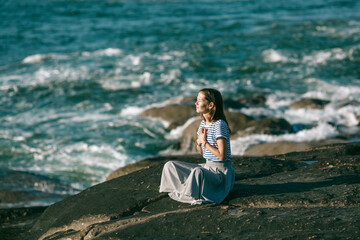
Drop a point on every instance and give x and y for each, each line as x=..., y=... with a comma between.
x=217, y=129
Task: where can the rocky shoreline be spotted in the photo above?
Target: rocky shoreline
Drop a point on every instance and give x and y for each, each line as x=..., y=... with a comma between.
x=300, y=195
x=283, y=190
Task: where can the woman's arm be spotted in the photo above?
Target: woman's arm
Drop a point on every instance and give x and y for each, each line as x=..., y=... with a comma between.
x=198, y=148
x=219, y=152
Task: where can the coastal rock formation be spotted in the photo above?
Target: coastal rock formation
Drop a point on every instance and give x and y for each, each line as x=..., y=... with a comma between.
x=241, y=125
x=304, y=195
x=309, y=103
x=177, y=114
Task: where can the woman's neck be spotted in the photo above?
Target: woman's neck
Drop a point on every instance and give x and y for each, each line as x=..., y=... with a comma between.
x=207, y=119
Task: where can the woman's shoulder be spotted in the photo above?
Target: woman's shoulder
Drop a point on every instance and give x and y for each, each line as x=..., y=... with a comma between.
x=220, y=122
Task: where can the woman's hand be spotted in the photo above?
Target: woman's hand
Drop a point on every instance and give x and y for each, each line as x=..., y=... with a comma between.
x=202, y=137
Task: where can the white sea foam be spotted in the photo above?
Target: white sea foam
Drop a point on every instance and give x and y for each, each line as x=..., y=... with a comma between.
x=131, y=111
x=15, y=136
x=280, y=99
x=272, y=56
x=322, y=131
x=170, y=56
x=110, y=52
x=323, y=56
x=97, y=160
x=171, y=76
x=331, y=90
x=89, y=117
x=40, y=58
x=123, y=82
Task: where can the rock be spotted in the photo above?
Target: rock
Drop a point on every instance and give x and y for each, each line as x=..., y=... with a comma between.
x=17, y=221
x=277, y=148
x=277, y=197
x=146, y=163
x=347, y=102
x=309, y=103
x=175, y=114
x=232, y=103
x=18, y=188
x=241, y=125
x=188, y=137
x=237, y=121
x=271, y=126
x=254, y=100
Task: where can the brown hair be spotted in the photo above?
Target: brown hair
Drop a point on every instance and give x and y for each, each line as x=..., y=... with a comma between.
x=217, y=112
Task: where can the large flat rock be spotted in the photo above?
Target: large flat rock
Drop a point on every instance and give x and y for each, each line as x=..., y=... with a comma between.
x=301, y=195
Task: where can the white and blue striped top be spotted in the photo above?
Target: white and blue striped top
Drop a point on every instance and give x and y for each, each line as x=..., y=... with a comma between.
x=217, y=129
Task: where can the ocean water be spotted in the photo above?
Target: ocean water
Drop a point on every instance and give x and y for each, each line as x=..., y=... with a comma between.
x=75, y=76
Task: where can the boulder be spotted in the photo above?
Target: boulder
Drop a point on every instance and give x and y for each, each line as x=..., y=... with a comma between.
x=237, y=121
x=241, y=125
x=300, y=195
x=309, y=103
x=254, y=100
x=175, y=114
x=271, y=126
x=189, y=136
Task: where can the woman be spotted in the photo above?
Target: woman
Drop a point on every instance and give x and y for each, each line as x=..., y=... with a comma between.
x=212, y=181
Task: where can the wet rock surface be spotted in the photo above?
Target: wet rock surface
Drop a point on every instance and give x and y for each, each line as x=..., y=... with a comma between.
x=301, y=195
x=309, y=103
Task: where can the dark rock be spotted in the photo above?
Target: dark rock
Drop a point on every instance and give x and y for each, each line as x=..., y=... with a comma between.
x=271, y=126
x=257, y=99
x=17, y=221
x=277, y=197
x=309, y=103
x=18, y=188
x=254, y=100
x=231, y=103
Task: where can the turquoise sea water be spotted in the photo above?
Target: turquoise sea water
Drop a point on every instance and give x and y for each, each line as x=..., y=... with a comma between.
x=75, y=75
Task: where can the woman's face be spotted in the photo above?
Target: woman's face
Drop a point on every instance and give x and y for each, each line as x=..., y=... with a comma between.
x=202, y=105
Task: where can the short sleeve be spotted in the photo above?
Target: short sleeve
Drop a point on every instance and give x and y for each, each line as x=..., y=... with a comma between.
x=222, y=130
